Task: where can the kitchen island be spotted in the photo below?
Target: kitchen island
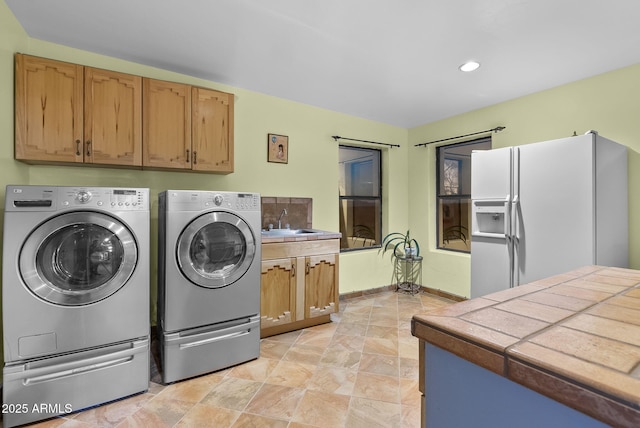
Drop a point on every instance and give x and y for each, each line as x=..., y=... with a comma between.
x=559, y=352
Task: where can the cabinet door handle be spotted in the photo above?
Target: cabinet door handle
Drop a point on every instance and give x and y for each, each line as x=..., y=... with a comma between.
x=308, y=268
x=293, y=270
x=195, y=159
x=188, y=158
x=88, y=147
x=78, y=142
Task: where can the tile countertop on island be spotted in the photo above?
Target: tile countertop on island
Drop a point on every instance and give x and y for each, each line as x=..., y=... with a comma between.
x=573, y=337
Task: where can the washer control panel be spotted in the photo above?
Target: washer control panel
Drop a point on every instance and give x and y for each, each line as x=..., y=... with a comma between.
x=52, y=198
x=117, y=199
x=218, y=200
x=83, y=196
x=248, y=201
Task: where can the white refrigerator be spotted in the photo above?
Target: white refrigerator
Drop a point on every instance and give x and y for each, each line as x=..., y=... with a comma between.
x=545, y=208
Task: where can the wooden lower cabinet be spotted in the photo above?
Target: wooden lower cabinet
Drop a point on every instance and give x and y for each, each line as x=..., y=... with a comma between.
x=298, y=288
x=278, y=292
x=321, y=285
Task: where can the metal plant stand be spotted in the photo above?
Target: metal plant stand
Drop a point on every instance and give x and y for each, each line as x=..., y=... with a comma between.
x=408, y=274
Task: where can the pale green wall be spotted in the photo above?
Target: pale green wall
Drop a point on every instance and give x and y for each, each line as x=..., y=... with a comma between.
x=608, y=103
x=312, y=169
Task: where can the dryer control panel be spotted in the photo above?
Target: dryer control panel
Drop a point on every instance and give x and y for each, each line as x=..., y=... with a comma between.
x=234, y=201
x=186, y=200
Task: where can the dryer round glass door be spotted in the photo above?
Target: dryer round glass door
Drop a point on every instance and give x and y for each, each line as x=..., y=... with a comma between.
x=216, y=249
x=78, y=258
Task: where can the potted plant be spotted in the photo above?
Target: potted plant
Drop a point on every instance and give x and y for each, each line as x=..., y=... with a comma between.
x=407, y=269
x=400, y=245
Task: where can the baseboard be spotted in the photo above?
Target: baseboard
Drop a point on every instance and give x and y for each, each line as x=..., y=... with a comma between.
x=361, y=293
x=428, y=290
x=445, y=294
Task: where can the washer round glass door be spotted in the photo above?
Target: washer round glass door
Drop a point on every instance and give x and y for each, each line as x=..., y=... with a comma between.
x=78, y=258
x=216, y=249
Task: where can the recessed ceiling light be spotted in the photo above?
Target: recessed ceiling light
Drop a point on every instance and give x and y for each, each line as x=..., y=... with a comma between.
x=469, y=66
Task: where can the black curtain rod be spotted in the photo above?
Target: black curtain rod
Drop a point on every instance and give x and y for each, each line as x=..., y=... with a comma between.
x=496, y=129
x=337, y=137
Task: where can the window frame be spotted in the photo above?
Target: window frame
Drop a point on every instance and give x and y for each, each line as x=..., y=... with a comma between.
x=374, y=199
x=460, y=197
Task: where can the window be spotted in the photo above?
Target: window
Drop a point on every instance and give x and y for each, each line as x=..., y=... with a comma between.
x=360, y=198
x=454, y=194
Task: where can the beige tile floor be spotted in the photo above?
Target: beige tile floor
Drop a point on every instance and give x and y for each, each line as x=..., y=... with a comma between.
x=360, y=370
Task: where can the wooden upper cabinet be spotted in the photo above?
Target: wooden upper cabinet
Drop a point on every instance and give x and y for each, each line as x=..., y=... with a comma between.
x=187, y=127
x=167, y=124
x=212, y=125
x=48, y=110
x=112, y=118
x=70, y=113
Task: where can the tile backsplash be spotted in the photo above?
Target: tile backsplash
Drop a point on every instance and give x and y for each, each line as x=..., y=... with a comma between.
x=299, y=212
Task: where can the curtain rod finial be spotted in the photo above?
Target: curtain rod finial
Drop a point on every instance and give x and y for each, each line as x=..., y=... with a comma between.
x=336, y=137
x=499, y=128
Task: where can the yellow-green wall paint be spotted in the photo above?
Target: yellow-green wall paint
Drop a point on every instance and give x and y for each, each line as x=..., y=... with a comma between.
x=608, y=103
x=312, y=169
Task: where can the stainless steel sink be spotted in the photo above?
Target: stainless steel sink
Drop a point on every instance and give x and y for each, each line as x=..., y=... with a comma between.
x=289, y=232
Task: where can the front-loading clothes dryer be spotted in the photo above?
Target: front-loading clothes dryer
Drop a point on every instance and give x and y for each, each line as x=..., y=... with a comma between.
x=208, y=281
x=75, y=298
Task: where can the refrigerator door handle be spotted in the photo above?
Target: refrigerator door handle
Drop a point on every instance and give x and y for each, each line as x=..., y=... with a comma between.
x=514, y=218
x=510, y=250
x=507, y=223
x=509, y=238
x=515, y=186
x=515, y=237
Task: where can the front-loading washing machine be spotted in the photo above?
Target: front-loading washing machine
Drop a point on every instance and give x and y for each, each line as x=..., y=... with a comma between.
x=75, y=298
x=208, y=281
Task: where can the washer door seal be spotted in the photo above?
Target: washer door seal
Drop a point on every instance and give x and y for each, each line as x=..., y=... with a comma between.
x=215, y=249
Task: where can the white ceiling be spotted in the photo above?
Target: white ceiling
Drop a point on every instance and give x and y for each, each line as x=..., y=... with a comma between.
x=391, y=61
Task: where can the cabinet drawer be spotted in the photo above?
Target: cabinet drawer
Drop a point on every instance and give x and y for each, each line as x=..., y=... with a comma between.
x=278, y=250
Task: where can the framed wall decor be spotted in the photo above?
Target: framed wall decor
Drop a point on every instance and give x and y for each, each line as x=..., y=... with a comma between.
x=278, y=148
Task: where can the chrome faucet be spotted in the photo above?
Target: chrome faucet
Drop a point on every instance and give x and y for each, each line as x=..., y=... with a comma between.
x=283, y=213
